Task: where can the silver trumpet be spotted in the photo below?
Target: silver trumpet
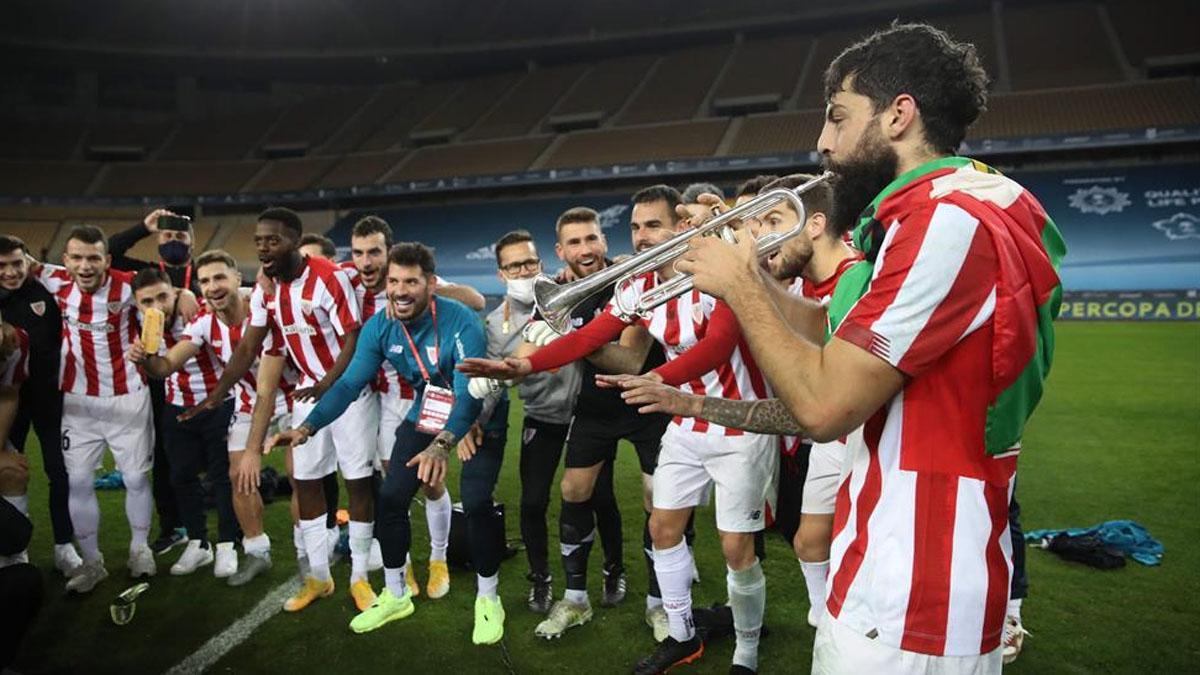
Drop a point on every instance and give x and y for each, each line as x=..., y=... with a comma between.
x=555, y=302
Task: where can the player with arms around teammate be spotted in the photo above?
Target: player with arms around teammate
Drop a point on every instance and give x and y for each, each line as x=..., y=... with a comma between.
x=943, y=358
x=425, y=342
x=105, y=399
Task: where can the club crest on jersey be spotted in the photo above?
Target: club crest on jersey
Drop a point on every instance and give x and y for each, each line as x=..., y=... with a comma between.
x=38, y=307
x=114, y=307
x=528, y=434
x=431, y=354
x=697, y=313
x=306, y=306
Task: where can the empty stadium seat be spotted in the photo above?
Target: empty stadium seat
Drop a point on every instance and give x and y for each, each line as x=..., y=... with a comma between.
x=470, y=159
x=605, y=88
x=778, y=132
x=763, y=67
x=662, y=141
x=528, y=103
x=287, y=175
x=41, y=139
x=176, y=178
x=384, y=105
x=677, y=87
x=36, y=179
x=467, y=105
x=310, y=122
x=224, y=137
x=113, y=133
x=1169, y=30
x=362, y=169
x=417, y=106
x=37, y=234
x=1058, y=45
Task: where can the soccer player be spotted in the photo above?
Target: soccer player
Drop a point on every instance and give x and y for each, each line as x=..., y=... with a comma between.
x=812, y=265
x=702, y=344
x=314, y=245
x=424, y=343
x=105, y=399
x=548, y=401
x=599, y=422
x=313, y=307
x=206, y=344
x=943, y=357
x=27, y=305
x=198, y=445
x=176, y=239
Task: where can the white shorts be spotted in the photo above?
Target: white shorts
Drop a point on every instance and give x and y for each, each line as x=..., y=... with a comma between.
x=343, y=445
x=392, y=411
x=125, y=424
x=840, y=650
x=239, y=429
x=745, y=470
x=828, y=466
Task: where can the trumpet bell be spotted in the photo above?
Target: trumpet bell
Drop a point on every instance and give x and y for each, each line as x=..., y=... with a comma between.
x=555, y=302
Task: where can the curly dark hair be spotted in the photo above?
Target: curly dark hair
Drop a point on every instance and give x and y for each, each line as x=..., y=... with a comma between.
x=943, y=76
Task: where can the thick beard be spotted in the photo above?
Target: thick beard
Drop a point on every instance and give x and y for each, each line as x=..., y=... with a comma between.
x=860, y=179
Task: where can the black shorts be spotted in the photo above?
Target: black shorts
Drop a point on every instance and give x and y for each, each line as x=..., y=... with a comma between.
x=792, y=471
x=593, y=440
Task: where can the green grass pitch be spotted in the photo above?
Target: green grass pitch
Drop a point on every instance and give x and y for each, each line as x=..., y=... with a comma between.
x=1117, y=436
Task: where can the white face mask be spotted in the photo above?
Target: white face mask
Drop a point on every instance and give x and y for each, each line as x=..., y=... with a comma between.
x=520, y=290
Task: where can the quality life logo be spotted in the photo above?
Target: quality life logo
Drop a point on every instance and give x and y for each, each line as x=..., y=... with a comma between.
x=1179, y=226
x=1099, y=200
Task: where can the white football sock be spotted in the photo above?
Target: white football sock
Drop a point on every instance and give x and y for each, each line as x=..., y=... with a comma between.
x=1014, y=608
x=259, y=546
x=437, y=515
x=747, y=598
x=85, y=514
x=316, y=543
x=393, y=578
x=673, y=567
x=139, y=507
x=653, y=602
x=301, y=552
x=576, y=596
x=487, y=587
x=360, y=549
x=815, y=574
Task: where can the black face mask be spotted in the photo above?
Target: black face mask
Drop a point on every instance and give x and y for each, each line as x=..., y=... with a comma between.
x=860, y=180
x=175, y=252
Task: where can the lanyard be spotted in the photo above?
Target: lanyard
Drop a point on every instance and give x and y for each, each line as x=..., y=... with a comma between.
x=187, y=275
x=437, y=346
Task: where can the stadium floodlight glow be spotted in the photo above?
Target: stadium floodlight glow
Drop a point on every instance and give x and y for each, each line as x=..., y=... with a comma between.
x=555, y=302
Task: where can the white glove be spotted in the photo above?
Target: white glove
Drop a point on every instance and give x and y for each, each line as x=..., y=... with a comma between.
x=482, y=387
x=540, y=334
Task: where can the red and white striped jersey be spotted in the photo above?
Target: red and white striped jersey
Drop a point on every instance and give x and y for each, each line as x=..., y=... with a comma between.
x=198, y=377
x=98, y=328
x=313, y=313
x=681, y=323
x=389, y=382
x=14, y=369
x=921, y=550
x=213, y=334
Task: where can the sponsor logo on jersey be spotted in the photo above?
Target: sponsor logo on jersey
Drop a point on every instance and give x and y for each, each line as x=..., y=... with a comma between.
x=396, y=349
x=299, y=329
x=93, y=326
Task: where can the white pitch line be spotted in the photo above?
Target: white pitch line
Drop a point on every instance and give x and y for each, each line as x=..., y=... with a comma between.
x=221, y=644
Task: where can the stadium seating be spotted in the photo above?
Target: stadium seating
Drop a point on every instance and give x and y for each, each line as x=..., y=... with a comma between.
x=528, y=102
x=309, y=123
x=219, y=137
x=605, y=87
x=41, y=139
x=44, y=178
x=360, y=169
x=1169, y=30
x=415, y=106
x=285, y=175
x=133, y=135
x=467, y=105
x=386, y=104
x=37, y=234
x=676, y=89
x=763, y=68
x=469, y=159
x=613, y=146
x=175, y=178
x=1058, y=45
x=779, y=132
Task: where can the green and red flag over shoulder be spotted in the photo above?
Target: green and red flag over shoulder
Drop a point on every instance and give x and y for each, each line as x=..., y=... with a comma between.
x=1028, y=292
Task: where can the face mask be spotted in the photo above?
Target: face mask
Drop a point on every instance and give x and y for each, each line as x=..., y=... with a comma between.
x=174, y=252
x=520, y=290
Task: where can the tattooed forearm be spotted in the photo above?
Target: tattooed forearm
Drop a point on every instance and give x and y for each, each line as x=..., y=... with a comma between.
x=769, y=416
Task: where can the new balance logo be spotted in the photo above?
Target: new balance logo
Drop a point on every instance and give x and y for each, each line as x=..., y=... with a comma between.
x=396, y=349
x=755, y=515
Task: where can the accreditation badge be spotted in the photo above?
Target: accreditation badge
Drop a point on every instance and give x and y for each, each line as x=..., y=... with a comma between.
x=436, y=404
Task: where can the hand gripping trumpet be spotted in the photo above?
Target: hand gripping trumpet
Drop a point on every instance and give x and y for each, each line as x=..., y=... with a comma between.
x=556, y=302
